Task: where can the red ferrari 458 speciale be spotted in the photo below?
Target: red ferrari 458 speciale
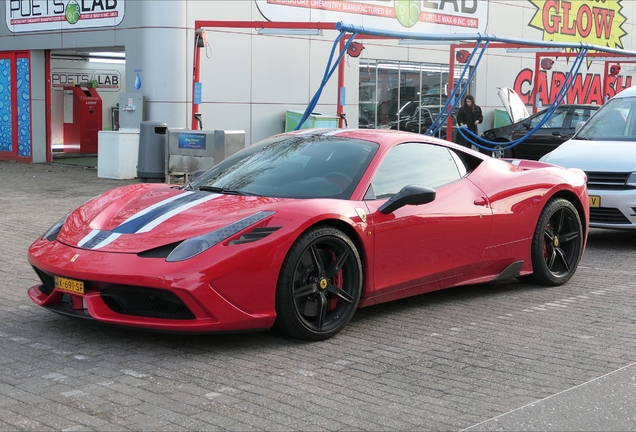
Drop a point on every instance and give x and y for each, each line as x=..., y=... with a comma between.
x=299, y=230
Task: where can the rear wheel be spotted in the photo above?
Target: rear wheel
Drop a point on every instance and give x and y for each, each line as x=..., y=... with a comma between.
x=319, y=285
x=557, y=244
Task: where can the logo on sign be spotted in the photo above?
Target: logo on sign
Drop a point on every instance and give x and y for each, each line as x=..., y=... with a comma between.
x=449, y=15
x=104, y=79
x=72, y=12
x=41, y=15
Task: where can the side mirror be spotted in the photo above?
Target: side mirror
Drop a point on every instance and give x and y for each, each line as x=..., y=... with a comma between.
x=526, y=124
x=578, y=126
x=409, y=195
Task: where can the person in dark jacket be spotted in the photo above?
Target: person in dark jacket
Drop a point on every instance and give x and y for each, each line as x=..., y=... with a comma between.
x=470, y=116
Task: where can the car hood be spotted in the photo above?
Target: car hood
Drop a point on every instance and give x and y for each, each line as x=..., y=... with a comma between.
x=137, y=218
x=514, y=105
x=501, y=131
x=594, y=156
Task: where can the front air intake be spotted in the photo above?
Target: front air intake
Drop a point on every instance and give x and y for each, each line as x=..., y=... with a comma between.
x=145, y=302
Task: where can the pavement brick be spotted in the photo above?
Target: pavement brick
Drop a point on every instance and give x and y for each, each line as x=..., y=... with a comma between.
x=443, y=361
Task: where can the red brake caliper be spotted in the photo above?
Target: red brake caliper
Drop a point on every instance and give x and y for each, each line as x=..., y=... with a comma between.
x=336, y=281
x=545, y=246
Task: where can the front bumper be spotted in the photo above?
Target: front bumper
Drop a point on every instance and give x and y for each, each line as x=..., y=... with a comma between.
x=148, y=293
x=616, y=208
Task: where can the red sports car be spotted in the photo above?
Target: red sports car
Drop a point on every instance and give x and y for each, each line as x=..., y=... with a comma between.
x=299, y=230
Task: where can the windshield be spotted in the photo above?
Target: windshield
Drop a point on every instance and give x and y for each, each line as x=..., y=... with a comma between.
x=615, y=121
x=408, y=109
x=296, y=166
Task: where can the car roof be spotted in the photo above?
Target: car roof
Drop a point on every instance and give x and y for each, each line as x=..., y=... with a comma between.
x=581, y=105
x=631, y=91
x=384, y=137
x=564, y=107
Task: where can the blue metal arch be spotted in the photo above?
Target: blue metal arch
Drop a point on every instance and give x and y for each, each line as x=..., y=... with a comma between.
x=451, y=103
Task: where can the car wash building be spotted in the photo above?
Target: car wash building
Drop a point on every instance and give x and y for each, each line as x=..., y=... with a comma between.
x=70, y=69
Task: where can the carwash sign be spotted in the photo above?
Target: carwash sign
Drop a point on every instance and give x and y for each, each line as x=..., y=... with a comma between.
x=41, y=15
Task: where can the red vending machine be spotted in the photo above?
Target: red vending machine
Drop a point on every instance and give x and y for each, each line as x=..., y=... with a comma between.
x=82, y=119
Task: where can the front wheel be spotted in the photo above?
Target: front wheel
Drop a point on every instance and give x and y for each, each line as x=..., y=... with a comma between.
x=557, y=244
x=319, y=285
x=498, y=152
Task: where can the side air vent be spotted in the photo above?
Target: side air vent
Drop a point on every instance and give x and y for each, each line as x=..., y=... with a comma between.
x=160, y=252
x=48, y=285
x=254, y=235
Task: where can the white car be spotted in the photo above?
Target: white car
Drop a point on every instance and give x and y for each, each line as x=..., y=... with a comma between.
x=605, y=148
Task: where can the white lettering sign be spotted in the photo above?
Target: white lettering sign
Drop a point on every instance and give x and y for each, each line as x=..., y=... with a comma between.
x=39, y=15
x=102, y=80
x=422, y=16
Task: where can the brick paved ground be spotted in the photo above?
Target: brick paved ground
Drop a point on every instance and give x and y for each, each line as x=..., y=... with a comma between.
x=442, y=361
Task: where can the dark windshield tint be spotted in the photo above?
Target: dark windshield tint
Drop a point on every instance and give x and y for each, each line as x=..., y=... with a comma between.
x=299, y=166
x=615, y=121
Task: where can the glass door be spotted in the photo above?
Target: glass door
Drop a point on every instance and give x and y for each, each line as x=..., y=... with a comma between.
x=15, y=106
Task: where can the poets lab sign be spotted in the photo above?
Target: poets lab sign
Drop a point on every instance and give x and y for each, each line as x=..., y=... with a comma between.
x=41, y=15
x=101, y=79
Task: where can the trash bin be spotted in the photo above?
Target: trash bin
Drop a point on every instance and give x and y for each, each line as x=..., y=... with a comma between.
x=152, y=152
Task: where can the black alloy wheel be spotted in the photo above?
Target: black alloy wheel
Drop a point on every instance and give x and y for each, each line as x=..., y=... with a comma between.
x=557, y=244
x=319, y=285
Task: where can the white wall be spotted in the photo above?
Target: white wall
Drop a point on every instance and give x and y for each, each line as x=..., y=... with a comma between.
x=250, y=80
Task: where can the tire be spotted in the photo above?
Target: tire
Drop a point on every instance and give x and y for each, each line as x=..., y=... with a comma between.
x=499, y=153
x=319, y=285
x=557, y=244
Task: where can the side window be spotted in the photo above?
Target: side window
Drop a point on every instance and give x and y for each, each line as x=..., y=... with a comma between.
x=556, y=121
x=415, y=163
x=579, y=115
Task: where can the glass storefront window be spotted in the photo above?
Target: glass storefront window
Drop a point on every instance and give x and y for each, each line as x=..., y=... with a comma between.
x=392, y=93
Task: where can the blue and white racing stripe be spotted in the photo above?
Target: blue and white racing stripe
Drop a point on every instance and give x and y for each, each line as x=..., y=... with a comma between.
x=147, y=219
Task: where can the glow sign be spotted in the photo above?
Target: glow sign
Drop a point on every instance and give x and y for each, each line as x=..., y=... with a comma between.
x=597, y=22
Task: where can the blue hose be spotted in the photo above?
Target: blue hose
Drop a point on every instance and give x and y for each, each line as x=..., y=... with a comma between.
x=328, y=72
x=479, y=142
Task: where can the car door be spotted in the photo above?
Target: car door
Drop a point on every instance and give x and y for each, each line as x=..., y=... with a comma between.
x=433, y=242
x=576, y=115
x=543, y=140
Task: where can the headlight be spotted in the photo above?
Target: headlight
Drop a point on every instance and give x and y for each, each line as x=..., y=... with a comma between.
x=51, y=233
x=631, y=181
x=195, y=245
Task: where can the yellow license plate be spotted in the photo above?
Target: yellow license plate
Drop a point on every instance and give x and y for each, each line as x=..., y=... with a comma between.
x=595, y=201
x=69, y=285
